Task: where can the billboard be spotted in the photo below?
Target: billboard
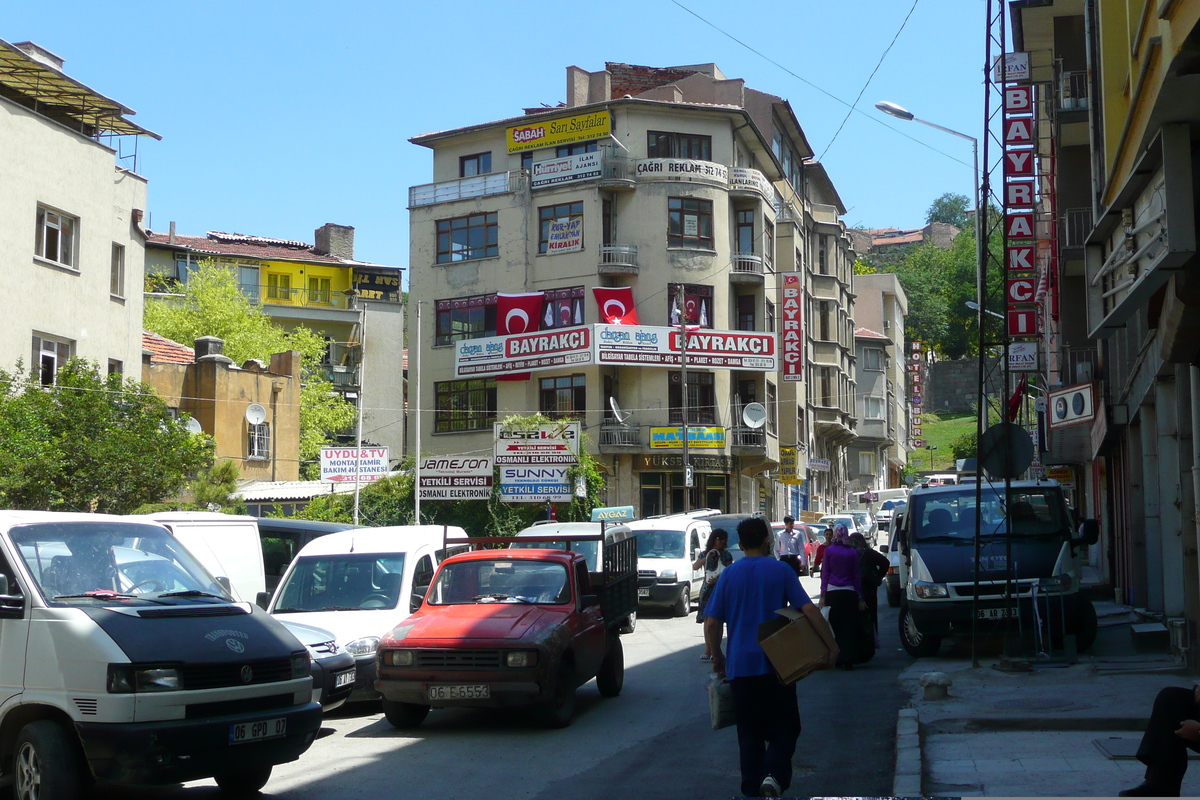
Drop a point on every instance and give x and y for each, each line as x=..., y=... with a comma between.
x=545, y=444
x=364, y=464
x=457, y=477
x=537, y=132
x=660, y=346
x=497, y=355
x=698, y=436
x=579, y=167
x=524, y=483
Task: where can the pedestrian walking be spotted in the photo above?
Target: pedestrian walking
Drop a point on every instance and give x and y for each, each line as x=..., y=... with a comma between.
x=791, y=544
x=715, y=558
x=842, y=594
x=550, y=510
x=819, y=555
x=1174, y=728
x=873, y=567
x=765, y=710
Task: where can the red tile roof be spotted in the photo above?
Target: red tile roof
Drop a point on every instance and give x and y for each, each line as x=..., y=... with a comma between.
x=164, y=351
x=237, y=244
x=867, y=333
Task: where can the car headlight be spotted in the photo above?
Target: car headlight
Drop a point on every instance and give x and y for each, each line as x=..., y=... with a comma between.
x=399, y=658
x=127, y=678
x=364, y=646
x=666, y=576
x=521, y=658
x=301, y=665
x=929, y=590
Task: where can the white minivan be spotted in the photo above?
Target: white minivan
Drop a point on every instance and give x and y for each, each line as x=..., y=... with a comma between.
x=123, y=661
x=361, y=583
x=227, y=544
x=668, y=546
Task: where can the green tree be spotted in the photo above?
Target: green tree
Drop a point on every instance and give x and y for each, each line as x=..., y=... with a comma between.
x=864, y=267
x=950, y=208
x=91, y=443
x=215, y=489
x=213, y=305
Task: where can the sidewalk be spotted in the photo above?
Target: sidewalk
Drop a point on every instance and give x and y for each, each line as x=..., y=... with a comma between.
x=1049, y=732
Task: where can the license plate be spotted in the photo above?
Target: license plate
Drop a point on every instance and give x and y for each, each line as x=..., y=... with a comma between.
x=994, y=613
x=468, y=691
x=243, y=732
x=643, y=592
x=345, y=679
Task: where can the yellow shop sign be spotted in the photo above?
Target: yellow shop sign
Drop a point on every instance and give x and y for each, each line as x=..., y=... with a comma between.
x=540, y=132
x=672, y=438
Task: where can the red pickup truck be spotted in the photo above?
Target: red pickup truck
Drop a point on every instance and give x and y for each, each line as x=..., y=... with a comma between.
x=513, y=627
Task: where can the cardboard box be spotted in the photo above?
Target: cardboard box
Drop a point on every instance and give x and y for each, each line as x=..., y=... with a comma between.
x=792, y=645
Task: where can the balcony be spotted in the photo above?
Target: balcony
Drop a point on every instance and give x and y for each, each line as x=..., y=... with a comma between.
x=827, y=352
x=745, y=441
x=786, y=212
x=833, y=424
x=1072, y=91
x=618, y=259
x=287, y=296
x=617, y=173
x=617, y=438
x=873, y=429
x=749, y=268
x=825, y=214
x=465, y=188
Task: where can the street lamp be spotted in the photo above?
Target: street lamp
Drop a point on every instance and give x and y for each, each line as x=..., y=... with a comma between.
x=971, y=304
x=931, y=448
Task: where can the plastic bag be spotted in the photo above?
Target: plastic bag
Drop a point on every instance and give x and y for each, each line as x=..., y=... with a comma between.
x=720, y=702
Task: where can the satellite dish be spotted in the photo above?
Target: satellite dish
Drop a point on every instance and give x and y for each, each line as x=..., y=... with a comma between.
x=193, y=425
x=255, y=414
x=754, y=415
x=620, y=415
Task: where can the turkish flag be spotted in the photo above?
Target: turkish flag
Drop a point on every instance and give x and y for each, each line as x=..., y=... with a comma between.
x=616, y=305
x=517, y=313
x=1014, y=402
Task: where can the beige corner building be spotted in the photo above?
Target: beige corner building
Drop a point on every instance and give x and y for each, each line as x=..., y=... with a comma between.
x=696, y=198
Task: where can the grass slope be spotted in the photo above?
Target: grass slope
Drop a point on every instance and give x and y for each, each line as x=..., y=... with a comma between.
x=941, y=431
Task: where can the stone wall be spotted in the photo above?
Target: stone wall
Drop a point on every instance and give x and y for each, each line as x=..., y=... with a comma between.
x=952, y=387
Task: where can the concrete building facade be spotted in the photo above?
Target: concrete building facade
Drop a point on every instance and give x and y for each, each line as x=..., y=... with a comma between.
x=881, y=307
x=690, y=192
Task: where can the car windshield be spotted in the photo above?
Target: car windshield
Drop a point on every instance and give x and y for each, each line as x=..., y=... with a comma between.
x=662, y=544
x=861, y=517
x=585, y=549
x=508, y=580
x=342, y=582
x=1033, y=511
x=90, y=563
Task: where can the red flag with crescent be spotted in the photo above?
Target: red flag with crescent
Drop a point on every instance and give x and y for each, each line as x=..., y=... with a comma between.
x=616, y=305
x=518, y=313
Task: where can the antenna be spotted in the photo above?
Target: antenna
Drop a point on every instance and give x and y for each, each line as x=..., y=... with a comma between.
x=193, y=425
x=620, y=415
x=255, y=414
x=754, y=415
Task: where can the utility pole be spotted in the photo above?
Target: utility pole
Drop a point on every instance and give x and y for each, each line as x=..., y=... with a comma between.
x=417, y=448
x=683, y=343
x=362, y=370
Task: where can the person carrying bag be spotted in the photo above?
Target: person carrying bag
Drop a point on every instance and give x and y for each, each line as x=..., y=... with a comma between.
x=715, y=559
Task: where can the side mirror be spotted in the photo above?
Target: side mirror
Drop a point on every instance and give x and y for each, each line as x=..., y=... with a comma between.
x=883, y=548
x=417, y=597
x=591, y=600
x=695, y=554
x=11, y=606
x=224, y=583
x=262, y=600
x=1089, y=532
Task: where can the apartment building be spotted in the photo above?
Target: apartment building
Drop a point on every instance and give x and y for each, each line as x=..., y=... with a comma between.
x=880, y=453
x=71, y=210
x=320, y=286
x=651, y=198
x=1116, y=137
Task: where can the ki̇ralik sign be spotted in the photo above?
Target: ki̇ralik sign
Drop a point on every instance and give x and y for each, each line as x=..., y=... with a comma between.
x=457, y=477
x=545, y=444
x=342, y=464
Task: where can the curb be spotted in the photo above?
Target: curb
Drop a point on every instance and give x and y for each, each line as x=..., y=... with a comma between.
x=907, y=780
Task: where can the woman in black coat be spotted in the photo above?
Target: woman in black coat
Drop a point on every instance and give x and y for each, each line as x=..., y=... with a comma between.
x=874, y=567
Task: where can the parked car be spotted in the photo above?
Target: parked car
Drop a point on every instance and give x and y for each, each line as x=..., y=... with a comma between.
x=360, y=583
x=667, y=547
x=332, y=667
x=845, y=519
x=227, y=545
x=510, y=628
x=891, y=506
x=282, y=539
x=866, y=525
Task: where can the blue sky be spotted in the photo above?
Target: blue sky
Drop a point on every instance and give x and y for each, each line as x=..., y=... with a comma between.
x=277, y=117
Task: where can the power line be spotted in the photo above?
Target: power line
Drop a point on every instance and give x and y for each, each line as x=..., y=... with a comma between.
x=854, y=106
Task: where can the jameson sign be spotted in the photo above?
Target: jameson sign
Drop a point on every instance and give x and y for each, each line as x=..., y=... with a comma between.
x=456, y=477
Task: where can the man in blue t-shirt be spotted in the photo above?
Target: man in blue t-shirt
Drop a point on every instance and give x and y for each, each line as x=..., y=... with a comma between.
x=767, y=713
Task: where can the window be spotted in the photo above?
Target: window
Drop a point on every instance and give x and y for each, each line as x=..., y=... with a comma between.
x=477, y=164
x=678, y=145
x=873, y=359
x=562, y=308
x=873, y=407
x=562, y=396
x=697, y=302
x=248, y=282
x=689, y=223
x=771, y=406
x=702, y=399
x=745, y=231
x=575, y=149
x=768, y=250
x=259, y=444
x=468, y=405
x=49, y=355
x=422, y=577
x=866, y=463
x=770, y=316
x=465, y=238
x=319, y=291
x=745, y=312
x=824, y=314
x=826, y=398
x=560, y=213
x=606, y=221
x=465, y=318
x=115, y=367
x=56, y=235
x=116, y=280
x=279, y=287
x=822, y=261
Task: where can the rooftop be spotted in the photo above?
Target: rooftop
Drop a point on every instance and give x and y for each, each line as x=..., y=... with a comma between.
x=867, y=333
x=165, y=351
x=249, y=246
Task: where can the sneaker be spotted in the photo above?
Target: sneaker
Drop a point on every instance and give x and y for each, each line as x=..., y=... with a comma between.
x=1147, y=789
x=769, y=788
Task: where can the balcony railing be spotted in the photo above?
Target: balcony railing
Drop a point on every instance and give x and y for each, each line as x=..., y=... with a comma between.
x=615, y=168
x=1076, y=225
x=613, y=434
x=751, y=263
x=287, y=296
x=741, y=436
x=618, y=258
x=1072, y=91
x=465, y=188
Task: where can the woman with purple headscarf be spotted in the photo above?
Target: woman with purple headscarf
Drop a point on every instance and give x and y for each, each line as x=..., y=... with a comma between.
x=842, y=594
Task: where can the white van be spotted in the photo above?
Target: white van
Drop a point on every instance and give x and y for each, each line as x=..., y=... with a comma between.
x=668, y=546
x=123, y=661
x=361, y=583
x=226, y=544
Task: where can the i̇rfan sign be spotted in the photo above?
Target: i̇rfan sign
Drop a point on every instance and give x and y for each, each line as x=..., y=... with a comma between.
x=350, y=464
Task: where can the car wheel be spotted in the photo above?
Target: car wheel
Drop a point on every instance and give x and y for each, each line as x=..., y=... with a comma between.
x=243, y=784
x=561, y=709
x=916, y=644
x=893, y=593
x=47, y=764
x=684, y=606
x=611, y=676
x=629, y=625
x=404, y=715
x=1085, y=626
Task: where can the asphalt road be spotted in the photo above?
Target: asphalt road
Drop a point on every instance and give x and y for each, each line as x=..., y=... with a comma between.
x=654, y=739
